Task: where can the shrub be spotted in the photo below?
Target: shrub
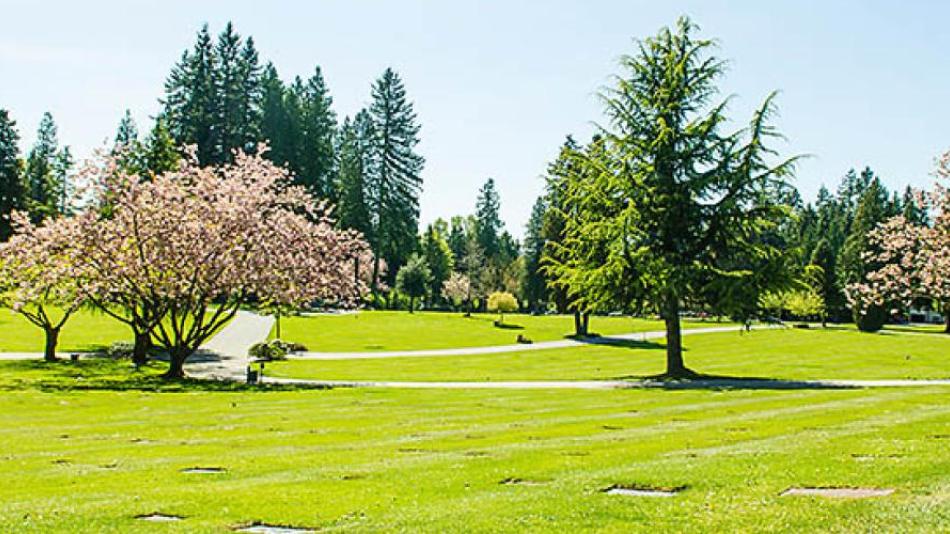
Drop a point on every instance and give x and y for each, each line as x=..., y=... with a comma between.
x=502, y=302
x=872, y=319
x=120, y=349
x=273, y=350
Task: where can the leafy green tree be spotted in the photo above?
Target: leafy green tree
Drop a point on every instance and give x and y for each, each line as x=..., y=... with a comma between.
x=12, y=189
x=438, y=257
x=413, y=279
x=502, y=302
x=670, y=206
x=396, y=180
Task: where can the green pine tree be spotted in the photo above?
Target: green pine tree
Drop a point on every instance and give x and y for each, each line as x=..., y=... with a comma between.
x=438, y=257
x=318, y=128
x=161, y=155
x=12, y=189
x=191, y=103
x=396, y=180
x=535, y=282
x=47, y=170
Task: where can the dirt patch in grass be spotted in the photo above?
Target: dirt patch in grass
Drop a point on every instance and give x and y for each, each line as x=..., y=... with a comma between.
x=264, y=528
x=640, y=490
x=515, y=481
x=156, y=517
x=838, y=492
x=203, y=470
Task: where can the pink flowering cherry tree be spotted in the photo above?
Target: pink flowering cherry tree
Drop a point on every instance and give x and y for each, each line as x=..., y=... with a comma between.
x=915, y=258
x=39, y=275
x=178, y=255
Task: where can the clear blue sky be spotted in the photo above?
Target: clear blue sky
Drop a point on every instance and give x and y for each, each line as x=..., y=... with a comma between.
x=498, y=84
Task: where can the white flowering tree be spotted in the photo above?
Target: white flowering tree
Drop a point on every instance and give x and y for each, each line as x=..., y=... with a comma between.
x=915, y=258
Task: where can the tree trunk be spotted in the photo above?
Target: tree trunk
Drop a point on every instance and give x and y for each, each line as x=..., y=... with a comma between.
x=176, y=364
x=675, y=368
x=946, y=318
x=412, y=303
x=52, y=338
x=277, y=323
x=581, y=320
x=586, y=323
x=143, y=342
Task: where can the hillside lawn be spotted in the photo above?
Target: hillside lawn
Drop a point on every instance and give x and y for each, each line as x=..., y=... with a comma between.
x=87, y=446
x=400, y=330
x=784, y=354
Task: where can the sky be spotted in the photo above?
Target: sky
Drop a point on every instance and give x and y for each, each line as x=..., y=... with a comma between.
x=497, y=85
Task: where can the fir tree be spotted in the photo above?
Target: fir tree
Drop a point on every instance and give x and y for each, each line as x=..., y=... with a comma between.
x=12, y=190
x=127, y=146
x=191, y=100
x=236, y=76
x=274, y=123
x=535, y=284
x=161, y=154
x=47, y=170
x=318, y=127
x=438, y=257
x=396, y=180
x=352, y=209
x=488, y=219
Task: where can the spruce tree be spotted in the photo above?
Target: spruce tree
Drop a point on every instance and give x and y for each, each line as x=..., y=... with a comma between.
x=489, y=226
x=396, y=180
x=274, y=122
x=161, y=155
x=352, y=209
x=535, y=284
x=127, y=147
x=318, y=128
x=12, y=190
x=191, y=103
x=458, y=239
x=236, y=76
x=438, y=257
x=47, y=170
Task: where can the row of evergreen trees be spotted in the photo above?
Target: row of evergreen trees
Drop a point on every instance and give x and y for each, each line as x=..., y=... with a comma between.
x=220, y=98
x=38, y=184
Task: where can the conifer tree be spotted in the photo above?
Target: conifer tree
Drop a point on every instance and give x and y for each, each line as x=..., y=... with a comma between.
x=12, y=190
x=161, y=155
x=318, y=128
x=396, y=180
x=47, y=169
x=236, y=76
x=191, y=100
x=535, y=284
x=438, y=257
x=489, y=226
x=352, y=208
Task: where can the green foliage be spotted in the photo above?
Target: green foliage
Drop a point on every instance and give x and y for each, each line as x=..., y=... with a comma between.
x=413, y=279
x=12, y=187
x=47, y=168
x=502, y=302
x=488, y=224
x=640, y=222
x=395, y=179
x=535, y=282
x=438, y=257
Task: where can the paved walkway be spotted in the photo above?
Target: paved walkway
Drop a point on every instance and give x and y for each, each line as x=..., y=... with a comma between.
x=518, y=347
x=724, y=383
x=224, y=357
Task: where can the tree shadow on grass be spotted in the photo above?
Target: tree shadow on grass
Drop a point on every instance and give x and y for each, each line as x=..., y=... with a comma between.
x=104, y=374
x=727, y=382
x=509, y=326
x=595, y=339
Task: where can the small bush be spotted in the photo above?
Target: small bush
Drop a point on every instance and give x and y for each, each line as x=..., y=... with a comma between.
x=120, y=350
x=267, y=351
x=288, y=346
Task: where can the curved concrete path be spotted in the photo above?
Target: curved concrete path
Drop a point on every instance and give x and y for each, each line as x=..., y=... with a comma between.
x=224, y=357
x=711, y=383
x=518, y=347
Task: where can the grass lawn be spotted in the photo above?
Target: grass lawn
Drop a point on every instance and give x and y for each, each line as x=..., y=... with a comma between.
x=91, y=459
x=789, y=353
x=400, y=330
x=86, y=330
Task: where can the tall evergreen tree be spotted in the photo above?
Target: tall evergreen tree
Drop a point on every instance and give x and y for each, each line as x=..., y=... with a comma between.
x=438, y=257
x=237, y=86
x=489, y=225
x=274, y=123
x=872, y=209
x=458, y=240
x=127, y=147
x=12, y=190
x=352, y=208
x=535, y=283
x=161, y=155
x=191, y=103
x=47, y=169
x=396, y=174
x=318, y=128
